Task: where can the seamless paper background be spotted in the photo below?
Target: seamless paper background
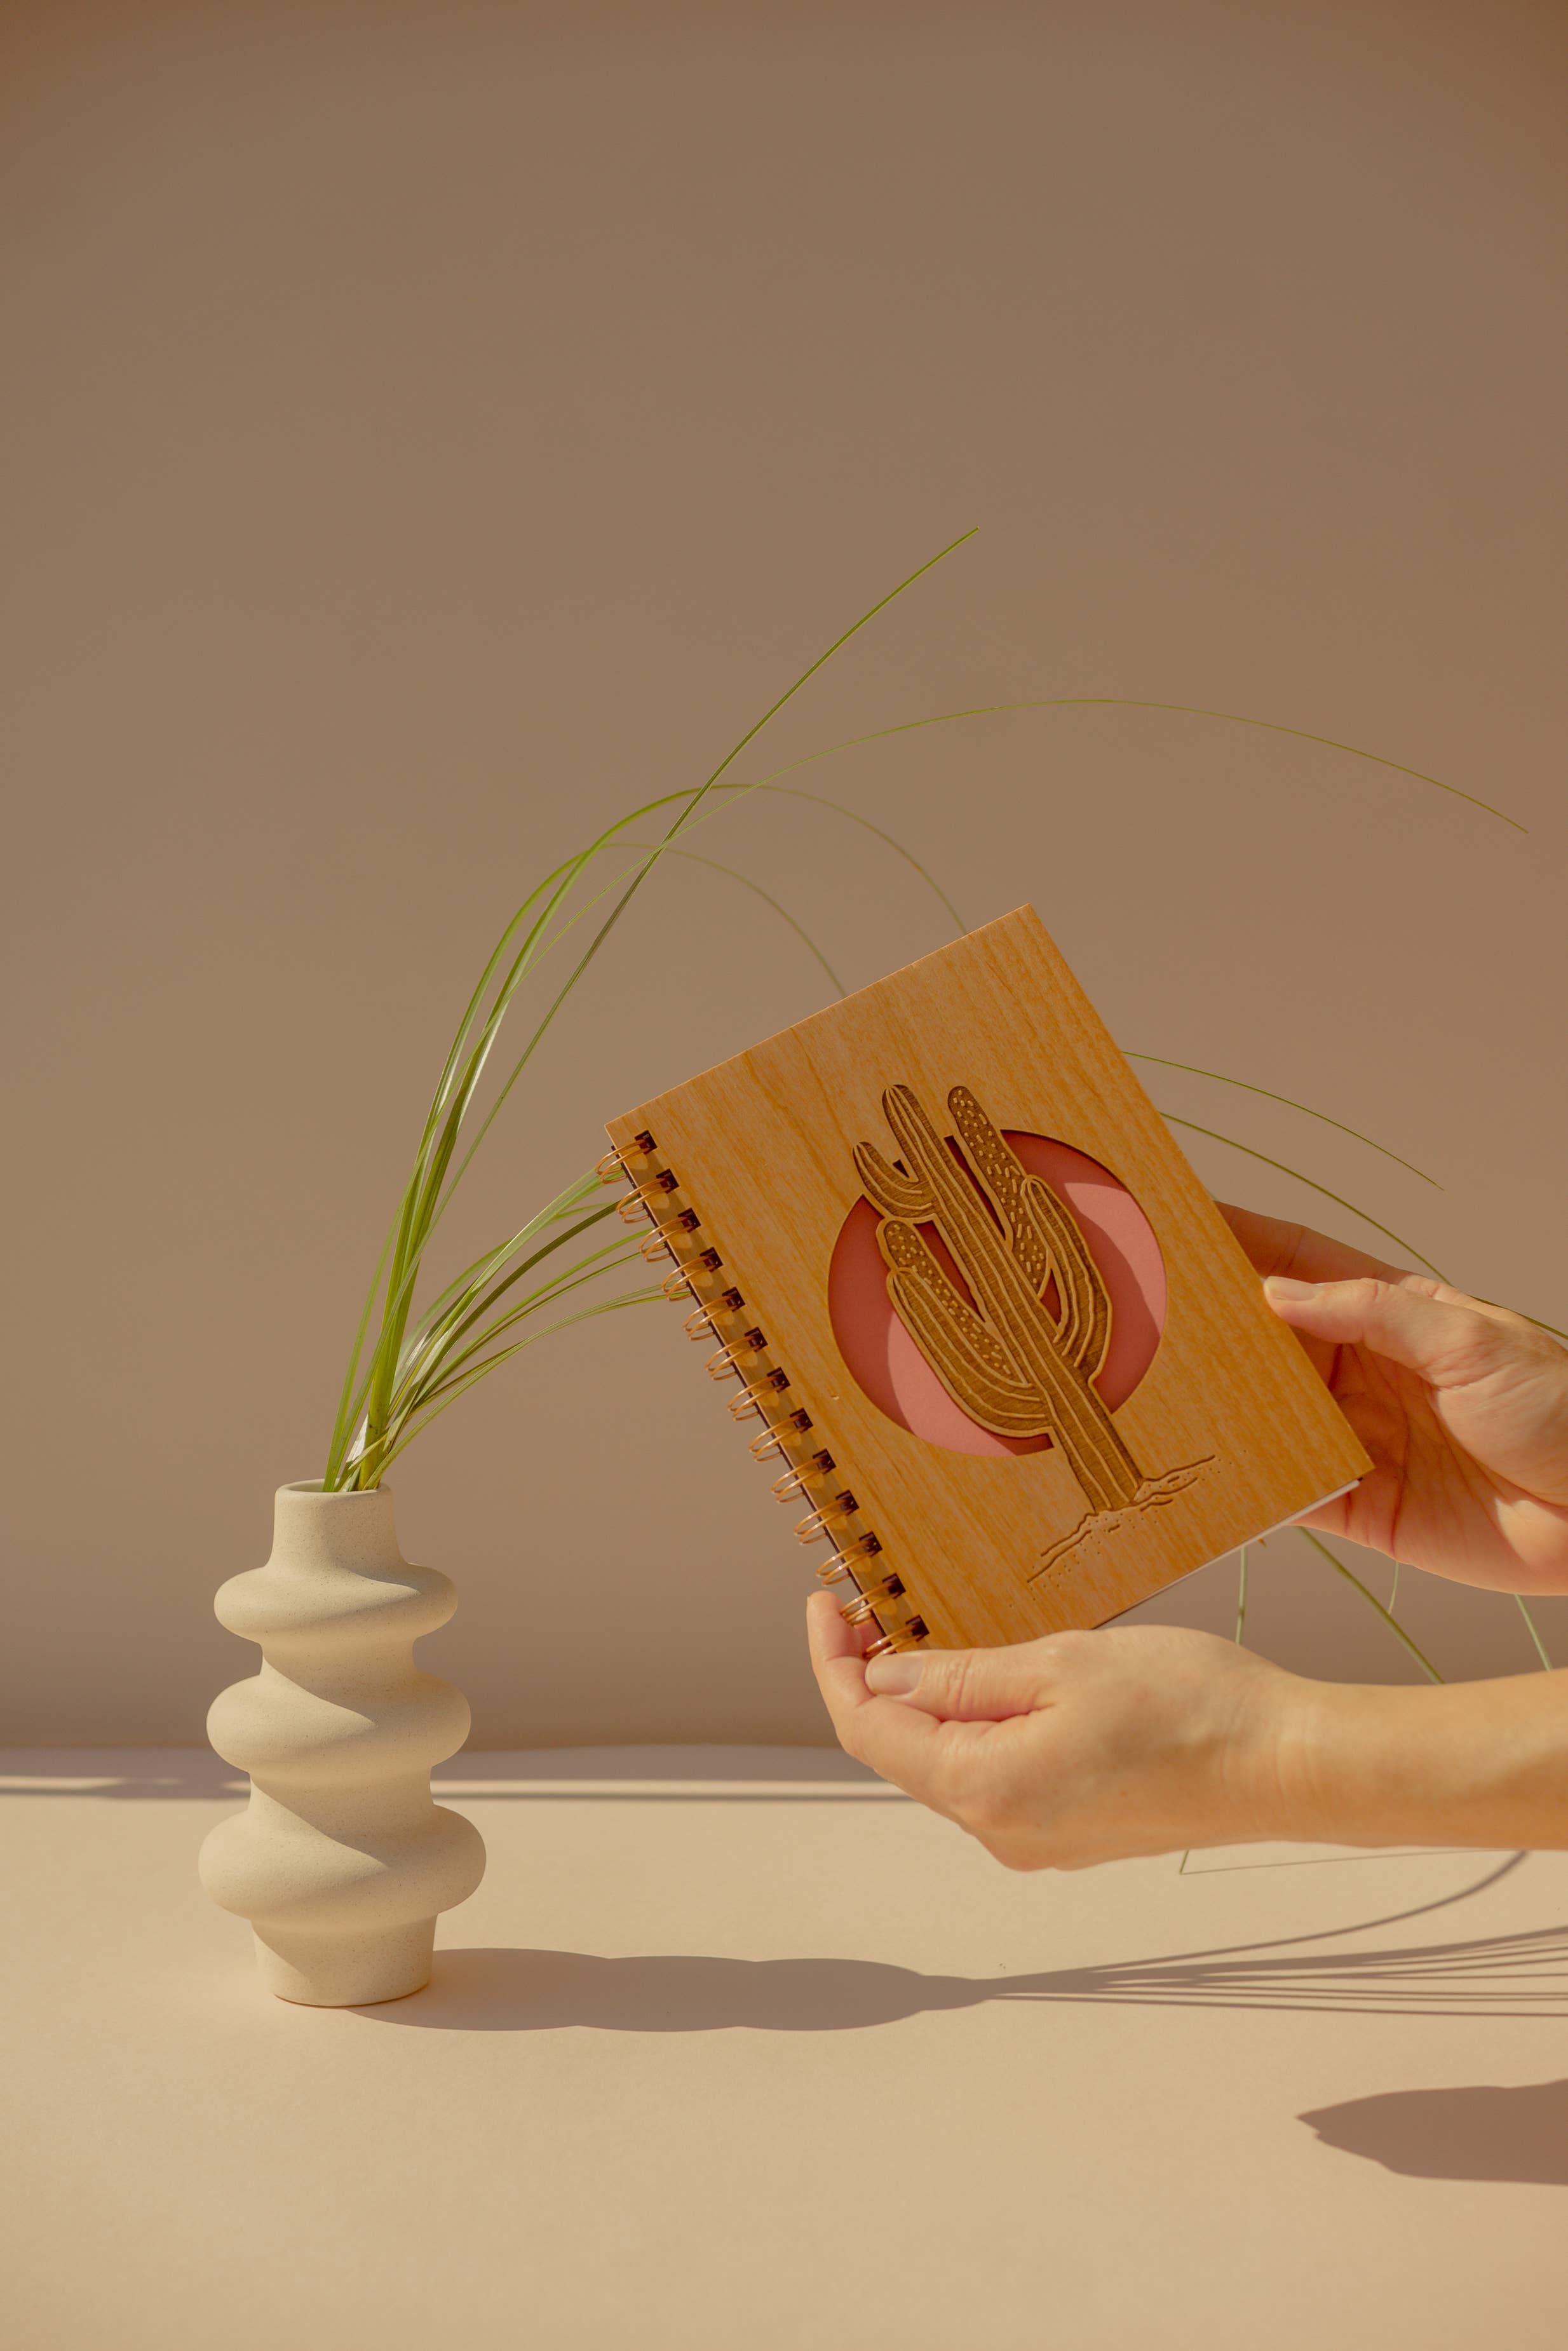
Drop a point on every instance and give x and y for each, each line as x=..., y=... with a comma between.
x=427, y=429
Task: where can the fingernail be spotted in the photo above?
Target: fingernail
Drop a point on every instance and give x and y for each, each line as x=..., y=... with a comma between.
x=1279, y=1285
x=893, y=1677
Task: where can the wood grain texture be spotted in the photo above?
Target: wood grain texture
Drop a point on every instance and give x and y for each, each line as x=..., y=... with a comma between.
x=1230, y=1429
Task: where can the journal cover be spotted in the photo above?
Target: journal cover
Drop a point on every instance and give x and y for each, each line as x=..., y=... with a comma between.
x=994, y=1330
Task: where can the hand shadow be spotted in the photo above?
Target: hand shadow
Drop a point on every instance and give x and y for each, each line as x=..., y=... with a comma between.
x=1480, y=2132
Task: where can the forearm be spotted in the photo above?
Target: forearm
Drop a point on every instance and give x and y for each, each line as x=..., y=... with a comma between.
x=1476, y=1764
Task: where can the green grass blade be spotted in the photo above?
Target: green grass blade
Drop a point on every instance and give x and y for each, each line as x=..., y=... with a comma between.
x=1339, y=1567
x=1127, y=702
x=426, y=1377
x=728, y=797
x=553, y=889
x=422, y=1192
x=1550, y=1328
x=747, y=884
x=483, y=1270
x=1171, y=1118
x=1540, y=1644
x=1322, y=1116
x=429, y=1190
x=793, y=792
x=347, y=1404
x=696, y=793
x=683, y=819
x=479, y=1372
x=422, y=1357
x=454, y=1357
x=789, y=692
x=557, y=881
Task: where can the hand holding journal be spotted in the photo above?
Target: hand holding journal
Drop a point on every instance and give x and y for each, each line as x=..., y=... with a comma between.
x=998, y=1338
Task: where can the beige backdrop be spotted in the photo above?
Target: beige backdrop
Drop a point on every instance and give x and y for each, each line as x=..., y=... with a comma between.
x=431, y=427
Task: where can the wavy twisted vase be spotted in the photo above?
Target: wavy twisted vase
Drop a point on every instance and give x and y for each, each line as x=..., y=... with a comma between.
x=340, y=1861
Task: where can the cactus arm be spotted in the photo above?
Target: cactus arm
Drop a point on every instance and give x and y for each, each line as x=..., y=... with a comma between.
x=1085, y=1323
x=1008, y=1185
x=956, y=1208
x=1006, y=1409
x=1074, y=1271
x=907, y=1256
x=894, y=1194
x=1003, y=1288
x=966, y=1358
x=918, y=1142
x=1044, y=1237
x=1090, y=1297
x=986, y=1359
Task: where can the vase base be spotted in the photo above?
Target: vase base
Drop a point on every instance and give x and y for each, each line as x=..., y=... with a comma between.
x=346, y=1970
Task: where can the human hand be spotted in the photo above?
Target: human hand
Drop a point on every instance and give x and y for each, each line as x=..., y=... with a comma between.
x=1462, y=1405
x=1081, y=1747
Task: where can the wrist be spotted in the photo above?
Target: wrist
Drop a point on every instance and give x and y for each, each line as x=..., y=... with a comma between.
x=1371, y=1764
x=1274, y=1793
x=1346, y=1763
x=1476, y=1764
x=1315, y=1779
x=1271, y=1759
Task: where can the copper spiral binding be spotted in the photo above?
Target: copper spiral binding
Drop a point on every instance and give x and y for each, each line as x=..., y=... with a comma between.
x=655, y=1196
x=844, y=1559
x=756, y=1395
x=705, y=1322
x=612, y=1168
x=821, y=1522
x=661, y=1241
x=796, y=1481
x=639, y=1201
x=909, y=1636
x=771, y=1443
x=859, y=1610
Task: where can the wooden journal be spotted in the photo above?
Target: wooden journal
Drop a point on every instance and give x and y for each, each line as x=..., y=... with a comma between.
x=998, y=1344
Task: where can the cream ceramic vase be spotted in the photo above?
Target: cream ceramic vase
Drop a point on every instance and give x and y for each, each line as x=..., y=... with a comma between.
x=340, y=1861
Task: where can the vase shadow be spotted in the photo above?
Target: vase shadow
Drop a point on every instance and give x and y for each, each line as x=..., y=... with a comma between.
x=505, y=1989
x=1481, y=2131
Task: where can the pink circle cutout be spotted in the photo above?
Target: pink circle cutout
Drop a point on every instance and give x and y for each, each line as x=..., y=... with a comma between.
x=890, y=1368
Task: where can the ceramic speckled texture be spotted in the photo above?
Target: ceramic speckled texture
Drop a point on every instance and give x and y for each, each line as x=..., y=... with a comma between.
x=341, y=1860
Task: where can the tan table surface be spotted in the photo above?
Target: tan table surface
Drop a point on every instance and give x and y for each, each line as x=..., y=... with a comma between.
x=736, y=2049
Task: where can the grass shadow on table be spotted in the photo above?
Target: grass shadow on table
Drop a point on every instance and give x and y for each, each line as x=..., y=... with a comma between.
x=503, y=1989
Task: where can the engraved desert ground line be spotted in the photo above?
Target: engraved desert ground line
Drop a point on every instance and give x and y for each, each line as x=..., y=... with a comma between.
x=1152, y=1496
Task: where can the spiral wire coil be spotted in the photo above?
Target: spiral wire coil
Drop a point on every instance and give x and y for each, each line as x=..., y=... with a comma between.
x=718, y=1310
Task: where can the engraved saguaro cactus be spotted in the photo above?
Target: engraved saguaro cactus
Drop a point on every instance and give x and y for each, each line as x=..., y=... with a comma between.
x=1009, y=1361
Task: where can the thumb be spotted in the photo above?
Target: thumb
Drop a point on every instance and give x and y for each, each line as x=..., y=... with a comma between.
x=1446, y=1342
x=967, y=1684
